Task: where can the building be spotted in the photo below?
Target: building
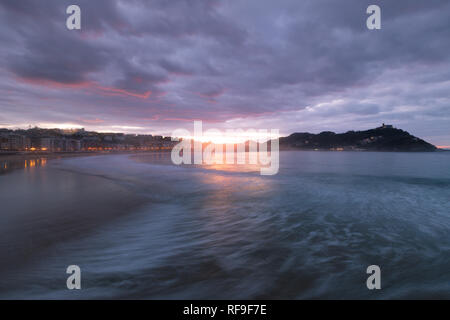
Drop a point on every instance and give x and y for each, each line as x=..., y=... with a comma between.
x=57, y=144
x=73, y=145
x=14, y=142
x=386, y=126
x=74, y=140
x=91, y=142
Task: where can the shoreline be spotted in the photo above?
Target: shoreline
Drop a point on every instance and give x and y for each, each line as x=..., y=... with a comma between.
x=18, y=161
x=61, y=155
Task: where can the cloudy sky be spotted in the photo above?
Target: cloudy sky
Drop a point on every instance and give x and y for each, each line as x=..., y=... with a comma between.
x=294, y=65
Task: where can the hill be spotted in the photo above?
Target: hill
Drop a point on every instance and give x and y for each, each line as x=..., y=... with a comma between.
x=384, y=138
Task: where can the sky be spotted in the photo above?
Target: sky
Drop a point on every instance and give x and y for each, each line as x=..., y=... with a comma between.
x=156, y=66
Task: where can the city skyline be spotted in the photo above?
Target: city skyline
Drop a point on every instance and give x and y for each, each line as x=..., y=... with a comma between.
x=77, y=139
x=152, y=67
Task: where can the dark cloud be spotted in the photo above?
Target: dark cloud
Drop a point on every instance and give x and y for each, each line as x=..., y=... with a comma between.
x=58, y=58
x=289, y=64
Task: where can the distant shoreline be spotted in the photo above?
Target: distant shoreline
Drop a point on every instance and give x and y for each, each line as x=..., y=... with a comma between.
x=361, y=150
x=38, y=155
x=60, y=155
x=11, y=162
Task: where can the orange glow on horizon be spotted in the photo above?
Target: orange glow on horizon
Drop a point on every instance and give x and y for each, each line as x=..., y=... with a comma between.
x=232, y=139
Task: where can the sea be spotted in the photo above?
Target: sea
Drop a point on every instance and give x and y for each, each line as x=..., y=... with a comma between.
x=140, y=227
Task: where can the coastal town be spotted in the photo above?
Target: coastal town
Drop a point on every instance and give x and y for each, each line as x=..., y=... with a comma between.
x=38, y=140
x=57, y=141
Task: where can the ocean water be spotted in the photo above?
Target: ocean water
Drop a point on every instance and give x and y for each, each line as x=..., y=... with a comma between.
x=141, y=228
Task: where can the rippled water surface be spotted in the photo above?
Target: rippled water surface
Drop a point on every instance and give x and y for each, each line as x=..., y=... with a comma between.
x=142, y=228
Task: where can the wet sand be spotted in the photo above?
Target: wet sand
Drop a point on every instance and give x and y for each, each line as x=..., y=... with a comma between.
x=59, y=155
x=43, y=206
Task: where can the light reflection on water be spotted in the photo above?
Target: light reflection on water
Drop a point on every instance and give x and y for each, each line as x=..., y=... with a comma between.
x=7, y=165
x=245, y=167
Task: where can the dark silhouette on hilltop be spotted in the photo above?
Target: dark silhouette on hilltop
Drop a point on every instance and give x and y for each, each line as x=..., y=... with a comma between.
x=384, y=138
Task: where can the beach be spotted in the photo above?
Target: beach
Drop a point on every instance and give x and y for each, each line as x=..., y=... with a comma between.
x=16, y=160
